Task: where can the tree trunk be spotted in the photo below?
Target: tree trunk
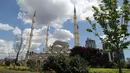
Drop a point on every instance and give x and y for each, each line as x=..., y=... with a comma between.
x=26, y=58
x=119, y=67
x=15, y=62
x=16, y=58
x=119, y=62
x=120, y=70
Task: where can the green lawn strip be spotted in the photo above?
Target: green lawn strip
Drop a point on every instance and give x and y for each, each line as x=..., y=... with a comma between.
x=16, y=67
x=13, y=71
x=21, y=67
x=2, y=67
x=5, y=69
x=107, y=70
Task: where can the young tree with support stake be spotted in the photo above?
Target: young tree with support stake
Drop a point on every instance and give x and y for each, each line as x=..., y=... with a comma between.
x=114, y=21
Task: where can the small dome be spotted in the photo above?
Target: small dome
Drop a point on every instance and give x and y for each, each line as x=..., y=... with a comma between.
x=61, y=52
x=67, y=51
x=44, y=52
x=55, y=52
x=49, y=52
x=58, y=45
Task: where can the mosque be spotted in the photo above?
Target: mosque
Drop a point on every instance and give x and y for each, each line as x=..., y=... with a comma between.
x=58, y=47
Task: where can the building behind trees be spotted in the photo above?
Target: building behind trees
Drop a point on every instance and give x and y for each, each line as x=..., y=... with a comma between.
x=90, y=43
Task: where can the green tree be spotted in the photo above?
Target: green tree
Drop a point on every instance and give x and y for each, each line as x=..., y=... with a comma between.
x=94, y=57
x=114, y=22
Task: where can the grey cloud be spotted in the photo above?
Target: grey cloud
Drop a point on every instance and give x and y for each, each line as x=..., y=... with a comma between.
x=63, y=34
x=47, y=11
x=54, y=11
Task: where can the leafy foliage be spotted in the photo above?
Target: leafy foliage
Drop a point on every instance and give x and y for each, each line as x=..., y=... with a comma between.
x=61, y=64
x=89, y=30
x=93, y=56
x=78, y=65
x=56, y=63
x=31, y=64
x=114, y=21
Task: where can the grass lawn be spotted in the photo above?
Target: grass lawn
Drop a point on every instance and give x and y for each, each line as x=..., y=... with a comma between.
x=5, y=69
x=92, y=70
x=12, y=71
x=107, y=70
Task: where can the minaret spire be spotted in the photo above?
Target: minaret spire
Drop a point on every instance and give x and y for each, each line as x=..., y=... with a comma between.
x=47, y=35
x=76, y=32
x=74, y=9
x=30, y=39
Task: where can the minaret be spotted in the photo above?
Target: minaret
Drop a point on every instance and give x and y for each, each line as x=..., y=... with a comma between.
x=47, y=35
x=76, y=32
x=30, y=39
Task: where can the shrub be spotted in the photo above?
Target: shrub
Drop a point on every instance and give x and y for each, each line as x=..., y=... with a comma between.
x=61, y=64
x=78, y=65
x=17, y=64
x=110, y=65
x=7, y=63
x=56, y=63
x=31, y=64
x=128, y=66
